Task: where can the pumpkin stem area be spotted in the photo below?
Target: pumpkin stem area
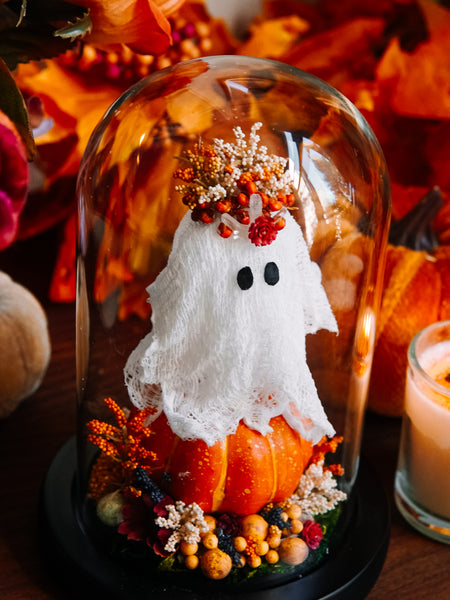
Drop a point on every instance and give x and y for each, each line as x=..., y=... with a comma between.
x=415, y=230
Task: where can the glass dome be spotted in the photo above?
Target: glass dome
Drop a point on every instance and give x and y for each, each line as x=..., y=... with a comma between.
x=233, y=223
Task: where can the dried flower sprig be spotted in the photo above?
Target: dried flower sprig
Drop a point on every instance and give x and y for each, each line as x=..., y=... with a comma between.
x=106, y=477
x=123, y=442
x=327, y=446
x=219, y=179
x=186, y=522
x=317, y=492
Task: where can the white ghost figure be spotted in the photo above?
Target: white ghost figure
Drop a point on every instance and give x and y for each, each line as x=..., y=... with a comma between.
x=218, y=354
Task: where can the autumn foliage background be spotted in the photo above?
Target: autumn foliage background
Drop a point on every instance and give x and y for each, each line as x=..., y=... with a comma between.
x=391, y=58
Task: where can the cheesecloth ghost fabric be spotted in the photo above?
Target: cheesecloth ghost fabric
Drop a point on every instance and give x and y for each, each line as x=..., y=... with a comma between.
x=218, y=354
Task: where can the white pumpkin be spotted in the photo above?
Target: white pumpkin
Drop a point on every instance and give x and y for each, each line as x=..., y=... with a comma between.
x=24, y=344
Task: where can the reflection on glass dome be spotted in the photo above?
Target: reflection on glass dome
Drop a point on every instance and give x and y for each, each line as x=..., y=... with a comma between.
x=233, y=218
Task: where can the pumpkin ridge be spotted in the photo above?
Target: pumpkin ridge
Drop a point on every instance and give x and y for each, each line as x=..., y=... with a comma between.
x=274, y=468
x=168, y=462
x=402, y=275
x=219, y=492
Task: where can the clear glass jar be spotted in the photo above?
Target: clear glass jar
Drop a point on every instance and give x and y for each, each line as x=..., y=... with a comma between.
x=271, y=179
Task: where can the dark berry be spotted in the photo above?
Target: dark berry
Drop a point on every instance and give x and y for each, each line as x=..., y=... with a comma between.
x=225, y=543
x=273, y=517
x=144, y=483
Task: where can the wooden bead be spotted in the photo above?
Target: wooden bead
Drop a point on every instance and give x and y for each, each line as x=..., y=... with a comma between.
x=215, y=564
x=210, y=541
x=261, y=548
x=293, y=550
x=296, y=526
x=274, y=540
x=254, y=561
x=272, y=557
x=191, y=561
x=240, y=543
x=294, y=511
x=188, y=549
x=211, y=523
x=255, y=526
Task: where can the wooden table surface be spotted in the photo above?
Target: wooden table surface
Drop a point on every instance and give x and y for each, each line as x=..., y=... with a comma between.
x=415, y=567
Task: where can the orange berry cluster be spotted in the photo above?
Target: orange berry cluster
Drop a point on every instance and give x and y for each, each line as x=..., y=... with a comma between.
x=106, y=477
x=125, y=442
x=324, y=446
x=205, y=171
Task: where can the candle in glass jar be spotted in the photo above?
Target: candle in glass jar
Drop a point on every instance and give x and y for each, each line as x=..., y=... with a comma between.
x=427, y=435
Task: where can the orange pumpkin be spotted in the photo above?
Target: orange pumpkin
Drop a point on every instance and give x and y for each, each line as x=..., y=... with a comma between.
x=416, y=293
x=238, y=475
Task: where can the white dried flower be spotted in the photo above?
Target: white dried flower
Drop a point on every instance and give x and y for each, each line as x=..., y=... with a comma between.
x=317, y=491
x=213, y=193
x=186, y=522
x=243, y=156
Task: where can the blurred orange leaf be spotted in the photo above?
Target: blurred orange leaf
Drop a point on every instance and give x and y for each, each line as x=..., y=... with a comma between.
x=341, y=53
x=274, y=37
x=74, y=106
x=63, y=284
x=417, y=83
x=139, y=24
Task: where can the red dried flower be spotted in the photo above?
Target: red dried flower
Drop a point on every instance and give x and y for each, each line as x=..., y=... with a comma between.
x=138, y=523
x=312, y=534
x=139, y=516
x=262, y=231
x=162, y=536
x=160, y=508
x=230, y=523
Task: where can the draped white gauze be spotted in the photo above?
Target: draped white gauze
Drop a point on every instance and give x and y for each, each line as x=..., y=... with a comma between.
x=218, y=354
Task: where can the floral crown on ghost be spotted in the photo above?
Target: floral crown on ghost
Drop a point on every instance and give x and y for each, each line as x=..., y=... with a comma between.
x=248, y=188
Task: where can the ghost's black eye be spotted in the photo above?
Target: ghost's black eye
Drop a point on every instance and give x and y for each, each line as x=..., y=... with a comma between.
x=245, y=278
x=271, y=274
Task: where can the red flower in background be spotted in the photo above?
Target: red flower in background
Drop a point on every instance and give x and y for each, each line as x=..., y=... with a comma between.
x=13, y=180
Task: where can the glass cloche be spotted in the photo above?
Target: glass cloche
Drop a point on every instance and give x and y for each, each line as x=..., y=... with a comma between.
x=233, y=217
